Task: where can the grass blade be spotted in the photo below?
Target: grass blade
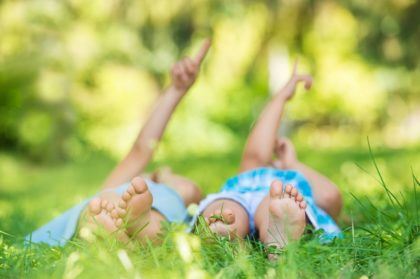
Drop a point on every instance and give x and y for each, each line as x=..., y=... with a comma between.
x=390, y=195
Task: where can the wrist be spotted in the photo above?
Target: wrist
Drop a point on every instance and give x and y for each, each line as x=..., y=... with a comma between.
x=173, y=90
x=281, y=98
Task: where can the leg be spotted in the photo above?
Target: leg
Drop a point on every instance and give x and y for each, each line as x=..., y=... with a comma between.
x=281, y=216
x=260, y=145
x=186, y=188
x=326, y=193
x=227, y=218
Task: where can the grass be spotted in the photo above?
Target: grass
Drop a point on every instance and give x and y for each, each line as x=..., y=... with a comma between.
x=380, y=223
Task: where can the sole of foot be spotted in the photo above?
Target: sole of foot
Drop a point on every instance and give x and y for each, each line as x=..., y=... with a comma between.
x=221, y=222
x=134, y=207
x=286, y=216
x=100, y=217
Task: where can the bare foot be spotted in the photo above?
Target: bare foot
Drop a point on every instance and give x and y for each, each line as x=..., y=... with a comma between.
x=286, y=216
x=221, y=222
x=134, y=207
x=99, y=216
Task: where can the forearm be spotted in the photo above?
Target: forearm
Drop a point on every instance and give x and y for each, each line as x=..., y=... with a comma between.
x=261, y=141
x=325, y=192
x=145, y=144
x=155, y=125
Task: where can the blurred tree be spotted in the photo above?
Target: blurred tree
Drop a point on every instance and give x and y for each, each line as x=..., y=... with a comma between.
x=77, y=74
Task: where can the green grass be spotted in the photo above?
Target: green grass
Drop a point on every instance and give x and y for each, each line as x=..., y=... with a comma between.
x=380, y=223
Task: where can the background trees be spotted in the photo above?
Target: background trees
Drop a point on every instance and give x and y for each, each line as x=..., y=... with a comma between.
x=77, y=75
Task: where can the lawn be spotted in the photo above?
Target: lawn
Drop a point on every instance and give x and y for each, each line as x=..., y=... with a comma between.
x=380, y=223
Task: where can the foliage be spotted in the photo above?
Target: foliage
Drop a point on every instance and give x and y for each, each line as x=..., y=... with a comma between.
x=77, y=75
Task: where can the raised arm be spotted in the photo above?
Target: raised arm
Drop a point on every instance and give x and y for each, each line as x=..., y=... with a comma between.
x=260, y=144
x=184, y=74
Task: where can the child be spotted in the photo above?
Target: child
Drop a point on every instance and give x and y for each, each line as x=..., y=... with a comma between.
x=135, y=210
x=276, y=203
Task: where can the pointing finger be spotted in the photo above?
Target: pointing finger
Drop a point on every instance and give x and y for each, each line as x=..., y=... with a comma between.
x=203, y=51
x=307, y=79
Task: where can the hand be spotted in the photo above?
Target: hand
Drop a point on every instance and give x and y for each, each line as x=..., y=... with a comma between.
x=288, y=90
x=285, y=153
x=185, y=72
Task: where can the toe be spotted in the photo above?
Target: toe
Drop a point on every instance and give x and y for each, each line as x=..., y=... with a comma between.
x=122, y=204
x=294, y=192
x=228, y=216
x=288, y=190
x=302, y=204
x=221, y=229
x=114, y=213
x=131, y=190
x=215, y=216
x=276, y=189
x=299, y=197
x=104, y=203
x=95, y=206
x=122, y=212
x=139, y=185
x=109, y=207
x=126, y=196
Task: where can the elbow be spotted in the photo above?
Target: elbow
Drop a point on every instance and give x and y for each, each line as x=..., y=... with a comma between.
x=136, y=150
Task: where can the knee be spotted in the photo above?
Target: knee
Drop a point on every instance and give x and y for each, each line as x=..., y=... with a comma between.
x=333, y=199
x=191, y=193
